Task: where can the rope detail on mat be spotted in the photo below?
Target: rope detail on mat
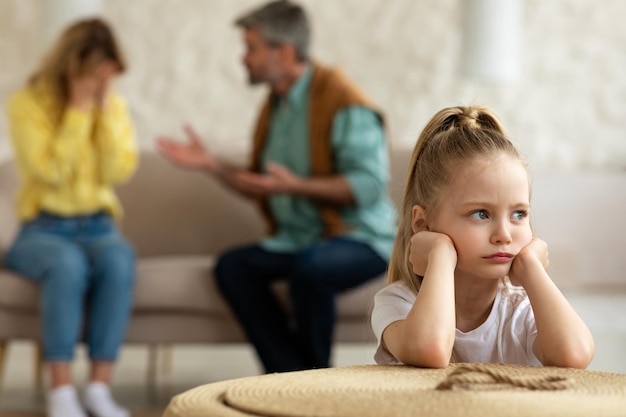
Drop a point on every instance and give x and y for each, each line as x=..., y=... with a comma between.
x=477, y=377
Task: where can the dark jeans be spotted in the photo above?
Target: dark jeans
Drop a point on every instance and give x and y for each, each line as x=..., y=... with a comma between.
x=244, y=276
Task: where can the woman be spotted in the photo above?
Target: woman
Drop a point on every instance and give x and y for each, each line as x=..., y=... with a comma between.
x=73, y=141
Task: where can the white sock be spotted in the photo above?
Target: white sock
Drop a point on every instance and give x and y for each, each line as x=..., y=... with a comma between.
x=63, y=402
x=100, y=403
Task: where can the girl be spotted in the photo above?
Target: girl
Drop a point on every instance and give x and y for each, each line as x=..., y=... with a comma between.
x=467, y=278
x=74, y=141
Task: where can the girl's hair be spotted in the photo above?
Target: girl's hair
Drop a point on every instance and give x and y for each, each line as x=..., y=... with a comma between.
x=454, y=136
x=80, y=48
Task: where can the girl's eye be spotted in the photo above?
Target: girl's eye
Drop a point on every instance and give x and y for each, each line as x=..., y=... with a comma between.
x=520, y=215
x=479, y=215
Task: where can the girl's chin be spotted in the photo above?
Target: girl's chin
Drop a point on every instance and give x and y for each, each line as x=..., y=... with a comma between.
x=492, y=273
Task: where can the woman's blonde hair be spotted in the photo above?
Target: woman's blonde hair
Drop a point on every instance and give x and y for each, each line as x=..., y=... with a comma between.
x=80, y=48
x=454, y=136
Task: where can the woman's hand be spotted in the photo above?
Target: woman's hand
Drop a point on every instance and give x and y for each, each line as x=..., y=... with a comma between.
x=83, y=91
x=426, y=243
x=92, y=89
x=535, y=252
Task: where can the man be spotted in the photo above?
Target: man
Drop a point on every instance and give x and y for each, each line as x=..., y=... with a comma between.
x=319, y=171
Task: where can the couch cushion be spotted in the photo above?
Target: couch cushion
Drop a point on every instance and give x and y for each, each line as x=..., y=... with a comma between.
x=181, y=284
x=175, y=284
x=358, y=303
x=186, y=283
x=173, y=211
x=178, y=283
x=18, y=293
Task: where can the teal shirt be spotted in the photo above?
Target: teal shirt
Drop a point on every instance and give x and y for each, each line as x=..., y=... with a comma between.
x=361, y=155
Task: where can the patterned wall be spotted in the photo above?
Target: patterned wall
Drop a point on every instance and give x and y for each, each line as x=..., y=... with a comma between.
x=568, y=112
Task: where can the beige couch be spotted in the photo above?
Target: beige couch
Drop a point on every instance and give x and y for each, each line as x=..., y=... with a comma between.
x=178, y=221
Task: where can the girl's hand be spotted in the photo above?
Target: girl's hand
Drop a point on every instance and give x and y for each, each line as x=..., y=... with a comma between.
x=424, y=244
x=535, y=252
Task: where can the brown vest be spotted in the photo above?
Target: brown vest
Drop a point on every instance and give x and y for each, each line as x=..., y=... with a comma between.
x=330, y=92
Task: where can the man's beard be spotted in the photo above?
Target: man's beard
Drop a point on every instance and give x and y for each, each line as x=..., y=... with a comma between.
x=252, y=80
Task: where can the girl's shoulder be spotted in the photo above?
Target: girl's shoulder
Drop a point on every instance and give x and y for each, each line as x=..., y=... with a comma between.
x=397, y=289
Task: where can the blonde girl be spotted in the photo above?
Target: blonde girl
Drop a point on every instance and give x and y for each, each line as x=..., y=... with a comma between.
x=467, y=278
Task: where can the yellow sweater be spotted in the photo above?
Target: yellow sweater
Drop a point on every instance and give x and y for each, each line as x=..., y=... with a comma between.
x=69, y=159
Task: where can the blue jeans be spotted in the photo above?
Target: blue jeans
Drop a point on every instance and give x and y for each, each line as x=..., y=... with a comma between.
x=81, y=263
x=244, y=276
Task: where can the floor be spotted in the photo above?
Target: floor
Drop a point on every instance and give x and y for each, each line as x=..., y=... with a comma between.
x=190, y=366
x=195, y=365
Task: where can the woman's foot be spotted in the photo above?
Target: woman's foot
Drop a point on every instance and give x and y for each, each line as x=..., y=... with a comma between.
x=63, y=402
x=100, y=403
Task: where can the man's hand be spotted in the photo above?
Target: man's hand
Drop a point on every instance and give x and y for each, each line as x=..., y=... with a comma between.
x=535, y=252
x=278, y=180
x=192, y=154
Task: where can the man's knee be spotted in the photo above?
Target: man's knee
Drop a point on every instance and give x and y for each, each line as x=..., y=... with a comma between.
x=310, y=271
x=227, y=271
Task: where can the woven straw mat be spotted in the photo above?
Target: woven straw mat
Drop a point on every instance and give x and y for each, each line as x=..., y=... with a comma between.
x=482, y=390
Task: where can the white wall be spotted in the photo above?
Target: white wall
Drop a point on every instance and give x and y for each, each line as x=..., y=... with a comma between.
x=568, y=112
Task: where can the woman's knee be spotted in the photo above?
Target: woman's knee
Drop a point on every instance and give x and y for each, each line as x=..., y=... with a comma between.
x=49, y=260
x=114, y=259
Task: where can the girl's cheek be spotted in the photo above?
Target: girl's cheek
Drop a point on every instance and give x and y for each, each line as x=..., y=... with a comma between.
x=528, y=236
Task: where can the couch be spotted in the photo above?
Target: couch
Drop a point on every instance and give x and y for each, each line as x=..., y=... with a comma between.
x=178, y=222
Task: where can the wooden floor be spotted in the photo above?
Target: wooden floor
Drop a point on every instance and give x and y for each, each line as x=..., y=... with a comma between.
x=191, y=366
x=41, y=414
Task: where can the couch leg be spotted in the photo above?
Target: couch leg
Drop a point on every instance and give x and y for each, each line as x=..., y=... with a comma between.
x=153, y=371
x=159, y=363
x=152, y=365
x=3, y=346
x=167, y=359
x=38, y=366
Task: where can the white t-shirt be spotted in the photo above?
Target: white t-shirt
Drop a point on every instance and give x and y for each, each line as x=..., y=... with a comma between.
x=507, y=336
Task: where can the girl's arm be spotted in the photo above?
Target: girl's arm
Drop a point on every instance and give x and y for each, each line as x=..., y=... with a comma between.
x=563, y=338
x=426, y=337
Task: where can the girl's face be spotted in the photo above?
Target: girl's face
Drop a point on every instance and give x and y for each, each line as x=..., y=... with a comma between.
x=485, y=213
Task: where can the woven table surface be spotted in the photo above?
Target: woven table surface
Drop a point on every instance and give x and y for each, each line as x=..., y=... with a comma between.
x=374, y=391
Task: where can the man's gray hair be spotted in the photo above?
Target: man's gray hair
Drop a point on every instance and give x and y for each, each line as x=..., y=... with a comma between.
x=280, y=22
